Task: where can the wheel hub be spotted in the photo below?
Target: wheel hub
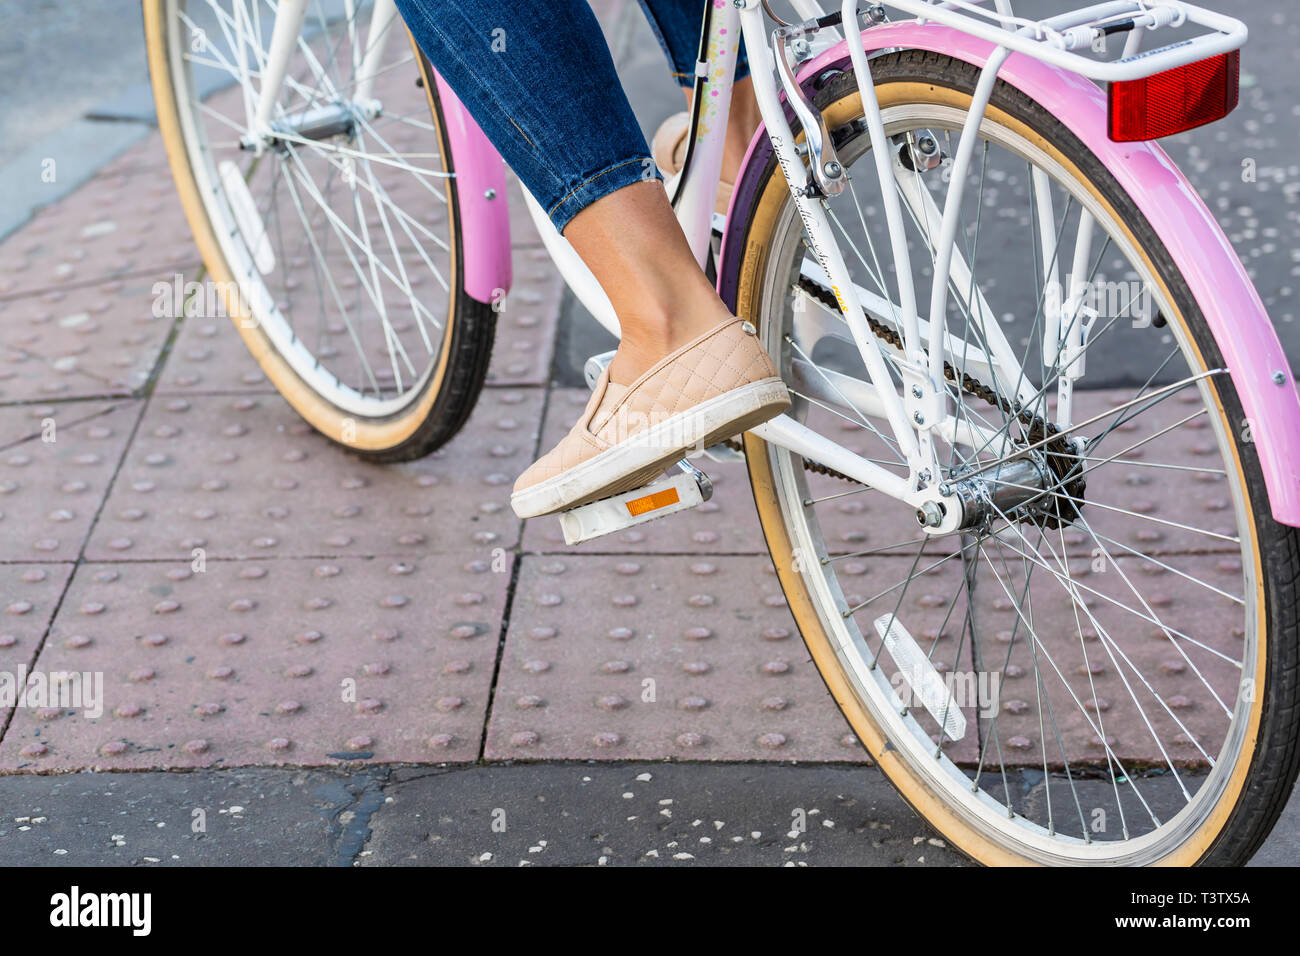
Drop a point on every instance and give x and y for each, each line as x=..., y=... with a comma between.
x=319, y=123
x=1028, y=489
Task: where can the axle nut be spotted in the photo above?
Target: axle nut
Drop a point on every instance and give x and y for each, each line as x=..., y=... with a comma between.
x=930, y=514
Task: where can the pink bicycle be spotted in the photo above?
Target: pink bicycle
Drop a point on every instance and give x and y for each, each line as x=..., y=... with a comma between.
x=1034, y=507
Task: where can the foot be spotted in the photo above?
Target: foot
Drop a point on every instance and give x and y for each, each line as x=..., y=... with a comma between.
x=721, y=384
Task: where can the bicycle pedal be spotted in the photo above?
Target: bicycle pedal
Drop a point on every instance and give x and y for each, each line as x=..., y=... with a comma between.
x=656, y=500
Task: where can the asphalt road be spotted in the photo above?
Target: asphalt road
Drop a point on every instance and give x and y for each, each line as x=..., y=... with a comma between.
x=552, y=814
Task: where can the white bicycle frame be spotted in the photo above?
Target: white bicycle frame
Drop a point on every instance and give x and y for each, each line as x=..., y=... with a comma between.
x=922, y=408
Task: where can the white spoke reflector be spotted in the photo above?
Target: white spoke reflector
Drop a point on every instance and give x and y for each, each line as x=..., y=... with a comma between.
x=247, y=217
x=922, y=676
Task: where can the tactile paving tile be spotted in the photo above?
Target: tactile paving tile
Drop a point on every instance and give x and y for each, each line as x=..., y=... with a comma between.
x=113, y=226
x=244, y=476
x=28, y=595
x=731, y=678
x=726, y=523
x=277, y=662
x=1195, y=615
x=89, y=340
x=525, y=336
x=51, y=489
x=210, y=356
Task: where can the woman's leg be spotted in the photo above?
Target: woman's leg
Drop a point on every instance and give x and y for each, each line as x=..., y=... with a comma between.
x=538, y=78
x=632, y=243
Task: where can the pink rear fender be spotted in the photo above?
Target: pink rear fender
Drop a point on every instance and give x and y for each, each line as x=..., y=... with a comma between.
x=481, y=191
x=1218, y=281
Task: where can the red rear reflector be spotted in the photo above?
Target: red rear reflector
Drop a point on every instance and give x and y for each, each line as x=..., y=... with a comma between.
x=1175, y=100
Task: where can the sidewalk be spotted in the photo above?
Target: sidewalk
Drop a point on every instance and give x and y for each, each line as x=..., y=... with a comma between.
x=301, y=628
x=317, y=568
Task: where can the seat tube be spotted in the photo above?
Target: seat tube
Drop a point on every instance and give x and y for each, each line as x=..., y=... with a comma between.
x=715, y=70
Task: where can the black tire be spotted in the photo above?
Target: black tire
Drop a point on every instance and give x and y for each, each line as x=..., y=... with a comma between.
x=473, y=331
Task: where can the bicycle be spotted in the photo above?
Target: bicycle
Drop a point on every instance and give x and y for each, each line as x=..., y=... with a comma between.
x=1021, y=685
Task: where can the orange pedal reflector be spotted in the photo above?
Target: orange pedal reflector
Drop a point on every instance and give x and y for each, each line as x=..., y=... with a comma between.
x=660, y=499
x=656, y=500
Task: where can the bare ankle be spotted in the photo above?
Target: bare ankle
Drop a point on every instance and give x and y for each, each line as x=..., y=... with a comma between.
x=645, y=343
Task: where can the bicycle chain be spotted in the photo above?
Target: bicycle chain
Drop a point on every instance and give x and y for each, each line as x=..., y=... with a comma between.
x=1060, y=456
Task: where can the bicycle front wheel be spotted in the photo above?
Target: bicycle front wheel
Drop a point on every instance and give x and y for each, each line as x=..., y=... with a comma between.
x=1099, y=666
x=333, y=237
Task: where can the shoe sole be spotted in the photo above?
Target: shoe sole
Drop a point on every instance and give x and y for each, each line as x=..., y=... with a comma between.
x=646, y=454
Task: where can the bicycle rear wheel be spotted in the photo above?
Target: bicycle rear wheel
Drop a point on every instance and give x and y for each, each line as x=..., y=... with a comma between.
x=334, y=241
x=1114, y=641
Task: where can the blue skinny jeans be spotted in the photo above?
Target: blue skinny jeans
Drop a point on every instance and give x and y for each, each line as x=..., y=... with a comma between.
x=538, y=78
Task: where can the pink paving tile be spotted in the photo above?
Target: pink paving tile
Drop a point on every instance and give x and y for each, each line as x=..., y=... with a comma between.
x=278, y=662
x=56, y=464
x=650, y=656
x=210, y=356
x=112, y=227
x=83, y=340
x=28, y=596
x=244, y=476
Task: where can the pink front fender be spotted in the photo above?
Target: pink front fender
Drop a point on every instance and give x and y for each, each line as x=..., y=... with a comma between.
x=481, y=191
x=1216, y=277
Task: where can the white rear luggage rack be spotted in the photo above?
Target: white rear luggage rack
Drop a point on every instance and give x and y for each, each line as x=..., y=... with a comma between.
x=1055, y=39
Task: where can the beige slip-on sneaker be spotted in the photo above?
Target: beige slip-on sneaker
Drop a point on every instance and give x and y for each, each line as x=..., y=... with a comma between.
x=719, y=385
x=669, y=151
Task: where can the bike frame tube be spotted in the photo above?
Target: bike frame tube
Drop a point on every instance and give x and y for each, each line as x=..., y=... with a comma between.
x=381, y=29
x=825, y=248
x=697, y=189
x=289, y=17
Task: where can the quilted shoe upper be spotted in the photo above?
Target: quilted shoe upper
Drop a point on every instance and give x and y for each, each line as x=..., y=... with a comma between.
x=724, y=358
x=573, y=449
